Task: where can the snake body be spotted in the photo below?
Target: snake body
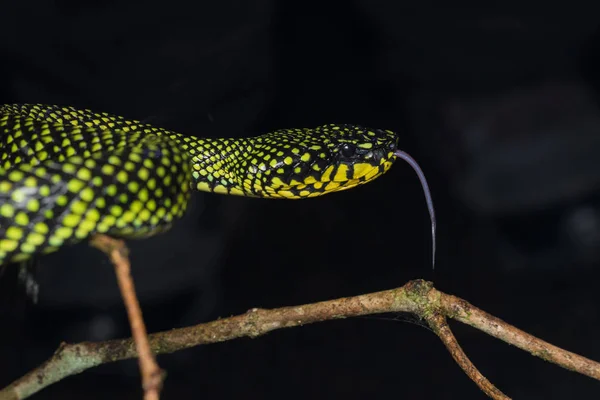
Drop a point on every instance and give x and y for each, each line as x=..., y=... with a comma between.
x=67, y=174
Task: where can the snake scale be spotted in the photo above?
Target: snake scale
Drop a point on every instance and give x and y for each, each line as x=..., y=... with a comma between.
x=67, y=174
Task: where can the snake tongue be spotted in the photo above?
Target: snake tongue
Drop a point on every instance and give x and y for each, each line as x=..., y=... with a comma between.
x=411, y=161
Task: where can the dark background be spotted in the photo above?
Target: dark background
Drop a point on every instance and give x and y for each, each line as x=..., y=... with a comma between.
x=499, y=104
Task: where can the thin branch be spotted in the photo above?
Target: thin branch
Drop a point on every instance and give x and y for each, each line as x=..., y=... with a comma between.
x=461, y=310
x=117, y=251
x=438, y=323
x=416, y=297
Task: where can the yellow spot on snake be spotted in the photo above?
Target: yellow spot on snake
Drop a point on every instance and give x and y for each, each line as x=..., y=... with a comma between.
x=15, y=176
x=64, y=232
x=84, y=174
x=30, y=181
x=62, y=200
x=93, y=215
x=114, y=160
x=220, y=189
x=277, y=182
x=122, y=177
x=136, y=206
x=128, y=216
x=361, y=169
x=144, y=215
x=340, y=174
x=33, y=205
x=75, y=185
x=143, y=174
x=35, y=238
x=87, y=225
x=116, y=211
x=7, y=210
x=305, y=157
x=203, y=186
x=133, y=186
x=332, y=185
x=14, y=233
x=81, y=233
x=8, y=245
x=69, y=168
x=327, y=173
x=109, y=219
x=71, y=220
x=151, y=205
x=108, y=169
x=41, y=227
x=286, y=193
x=22, y=219
x=87, y=194
x=41, y=172
x=143, y=194
x=5, y=186
x=79, y=207
x=371, y=174
x=44, y=190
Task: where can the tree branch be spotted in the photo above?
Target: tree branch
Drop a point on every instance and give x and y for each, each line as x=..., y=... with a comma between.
x=460, y=310
x=117, y=251
x=438, y=323
x=416, y=297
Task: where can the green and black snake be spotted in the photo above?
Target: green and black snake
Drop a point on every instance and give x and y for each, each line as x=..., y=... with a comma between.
x=67, y=174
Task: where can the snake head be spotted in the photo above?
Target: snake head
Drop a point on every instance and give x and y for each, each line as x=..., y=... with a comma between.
x=299, y=163
x=366, y=153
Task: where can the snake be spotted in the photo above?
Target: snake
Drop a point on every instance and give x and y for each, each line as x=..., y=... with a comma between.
x=67, y=174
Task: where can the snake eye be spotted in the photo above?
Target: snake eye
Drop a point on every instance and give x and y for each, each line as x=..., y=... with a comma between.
x=348, y=150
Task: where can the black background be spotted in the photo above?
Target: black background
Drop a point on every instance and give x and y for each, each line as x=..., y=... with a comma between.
x=497, y=103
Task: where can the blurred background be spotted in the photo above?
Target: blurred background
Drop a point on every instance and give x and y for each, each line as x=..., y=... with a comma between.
x=499, y=105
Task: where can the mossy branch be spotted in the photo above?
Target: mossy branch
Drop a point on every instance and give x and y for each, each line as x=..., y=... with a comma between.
x=417, y=297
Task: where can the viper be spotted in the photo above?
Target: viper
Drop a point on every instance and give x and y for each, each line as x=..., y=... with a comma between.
x=67, y=174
